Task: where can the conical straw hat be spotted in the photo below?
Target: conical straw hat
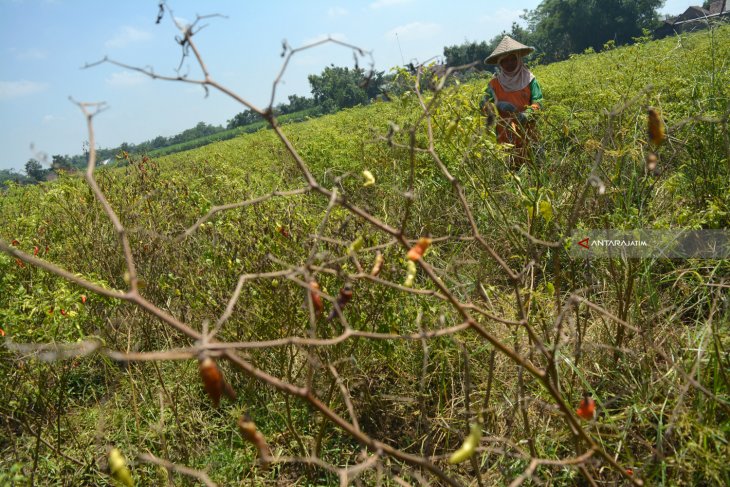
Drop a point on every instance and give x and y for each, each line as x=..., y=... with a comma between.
x=508, y=46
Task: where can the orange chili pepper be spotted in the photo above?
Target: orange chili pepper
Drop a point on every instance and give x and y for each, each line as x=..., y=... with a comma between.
x=251, y=434
x=417, y=251
x=377, y=265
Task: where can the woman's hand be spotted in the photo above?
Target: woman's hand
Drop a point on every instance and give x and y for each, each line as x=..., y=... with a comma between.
x=506, y=106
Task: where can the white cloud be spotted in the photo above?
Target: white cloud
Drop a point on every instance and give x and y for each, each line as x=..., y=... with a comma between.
x=29, y=53
x=49, y=118
x=334, y=12
x=337, y=36
x=415, y=31
x=16, y=89
x=127, y=35
x=387, y=3
x=502, y=16
x=125, y=79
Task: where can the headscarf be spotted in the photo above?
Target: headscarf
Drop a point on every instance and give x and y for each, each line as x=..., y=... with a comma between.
x=516, y=80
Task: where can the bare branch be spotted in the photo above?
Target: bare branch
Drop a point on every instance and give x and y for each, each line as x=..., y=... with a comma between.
x=181, y=469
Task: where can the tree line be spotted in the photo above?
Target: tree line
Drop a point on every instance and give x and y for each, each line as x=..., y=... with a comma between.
x=559, y=28
x=333, y=89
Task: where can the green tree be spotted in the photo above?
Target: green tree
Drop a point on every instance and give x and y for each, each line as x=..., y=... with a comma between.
x=245, y=117
x=337, y=87
x=373, y=83
x=8, y=175
x=297, y=104
x=59, y=162
x=469, y=52
x=35, y=171
x=562, y=27
x=158, y=142
x=200, y=130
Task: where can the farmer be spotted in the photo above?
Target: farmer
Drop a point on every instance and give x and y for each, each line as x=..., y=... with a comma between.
x=515, y=92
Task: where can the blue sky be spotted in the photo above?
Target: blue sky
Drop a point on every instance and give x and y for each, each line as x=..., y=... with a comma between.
x=44, y=43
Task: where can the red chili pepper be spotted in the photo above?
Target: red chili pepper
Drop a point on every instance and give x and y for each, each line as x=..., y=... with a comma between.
x=342, y=299
x=83, y=299
x=14, y=243
x=2, y=332
x=213, y=381
x=587, y=408
x=35, y=250
x=20, y=263
x=316, y=298
x=63, y=312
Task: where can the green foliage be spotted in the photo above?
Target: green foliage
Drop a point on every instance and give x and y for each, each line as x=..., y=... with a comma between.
x=200, y=130
x=296, y=104
x=14, y=476
x=468, y=52
x=61, y=163
x=337, y=87
x=35, y=171
x=9, y=176
x=559, y=28
x=245, y=117
x=250, y=128
x=563, y=27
